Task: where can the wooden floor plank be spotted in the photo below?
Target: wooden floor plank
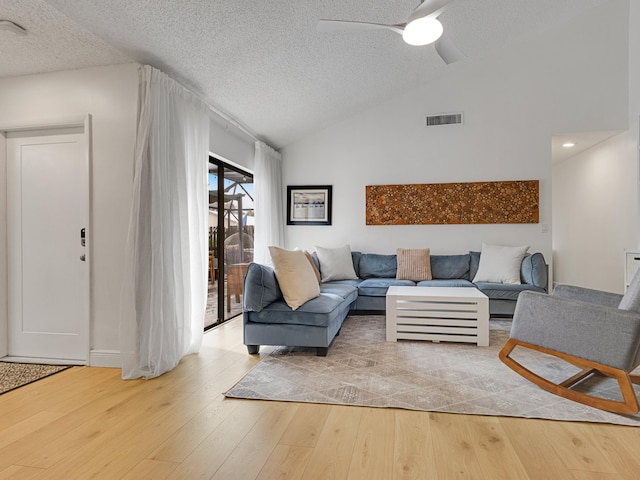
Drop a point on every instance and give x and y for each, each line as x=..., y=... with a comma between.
x=306, y=425
x=137, y=431
x=497, y=457
x=580, y=475
x=520, y=431
x=63, y=391
x=254, y=450
x=150, y=470
x=80, y=429
x=454, y=454
x=331, y=458
x=180, y=445
x=286, y=461
x=373, y=450
x=29, y=425
x=577, y=450
x=20, y=472
x=214, y=450
x=413, y=456
x=615, y=443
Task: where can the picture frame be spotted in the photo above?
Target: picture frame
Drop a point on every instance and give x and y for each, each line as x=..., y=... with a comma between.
x=309, y=204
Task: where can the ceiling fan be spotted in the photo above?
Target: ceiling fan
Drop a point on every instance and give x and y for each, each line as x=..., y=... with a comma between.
x=422, y=28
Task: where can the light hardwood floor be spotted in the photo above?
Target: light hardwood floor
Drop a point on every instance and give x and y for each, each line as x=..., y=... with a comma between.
x=87, y=423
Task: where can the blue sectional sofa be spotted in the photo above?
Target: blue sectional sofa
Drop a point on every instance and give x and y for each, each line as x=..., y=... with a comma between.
x=268, y=320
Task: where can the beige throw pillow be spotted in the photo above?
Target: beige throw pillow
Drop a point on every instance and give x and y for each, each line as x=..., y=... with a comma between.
x=295, y=276
x=413, y=264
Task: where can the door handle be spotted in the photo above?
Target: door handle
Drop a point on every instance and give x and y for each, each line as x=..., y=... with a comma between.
x=83, y=237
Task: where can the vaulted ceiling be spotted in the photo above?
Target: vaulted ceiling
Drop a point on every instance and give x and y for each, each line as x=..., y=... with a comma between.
x=263, y=62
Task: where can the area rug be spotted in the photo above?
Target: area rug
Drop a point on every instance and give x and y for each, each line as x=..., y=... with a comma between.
x=15, y=375
x=363, y=369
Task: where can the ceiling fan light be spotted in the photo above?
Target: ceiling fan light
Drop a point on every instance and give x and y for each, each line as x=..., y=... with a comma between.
x=422, y=31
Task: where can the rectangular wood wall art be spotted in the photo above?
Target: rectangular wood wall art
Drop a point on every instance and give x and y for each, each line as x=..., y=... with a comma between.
x=453, y=203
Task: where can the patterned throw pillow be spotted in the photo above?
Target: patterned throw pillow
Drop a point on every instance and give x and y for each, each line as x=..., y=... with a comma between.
x=413, y=264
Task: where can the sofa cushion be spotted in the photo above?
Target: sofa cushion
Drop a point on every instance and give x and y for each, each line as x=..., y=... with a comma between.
x=336, y=263
x=446, y=282
x=450, y=266
x=260, y=288
x=295, y=276
x=505, y=291
x=348, y=292
x=373, y=265
x=413, y=264
x=534, y=270
x=500, y=264
x=474, y=263
x=377, y=287
x=353, y=283
x=318, y=312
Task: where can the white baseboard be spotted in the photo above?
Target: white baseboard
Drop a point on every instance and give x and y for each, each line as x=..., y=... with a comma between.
x=105, y=358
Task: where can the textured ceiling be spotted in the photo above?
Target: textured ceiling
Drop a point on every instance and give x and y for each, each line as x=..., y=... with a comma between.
x=263, y=62
x=54, y=42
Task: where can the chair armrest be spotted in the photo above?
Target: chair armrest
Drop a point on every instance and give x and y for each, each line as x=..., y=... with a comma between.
x=595, y=332
x=588, y=295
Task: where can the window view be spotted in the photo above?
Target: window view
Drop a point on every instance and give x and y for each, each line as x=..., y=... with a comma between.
x=231, y=225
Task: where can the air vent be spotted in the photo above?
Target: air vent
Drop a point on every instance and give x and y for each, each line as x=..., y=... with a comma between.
x=444, y=119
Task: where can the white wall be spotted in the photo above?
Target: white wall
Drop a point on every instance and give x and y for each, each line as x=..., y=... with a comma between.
x=573, y=78
x=230, y=144
x=594, y=214
x=595, y=197
x=110, y=95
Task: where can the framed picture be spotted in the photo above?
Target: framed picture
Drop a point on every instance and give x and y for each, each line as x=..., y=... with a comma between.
x=309, y=205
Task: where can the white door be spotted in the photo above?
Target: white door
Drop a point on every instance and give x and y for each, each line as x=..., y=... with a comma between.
x=48, y=269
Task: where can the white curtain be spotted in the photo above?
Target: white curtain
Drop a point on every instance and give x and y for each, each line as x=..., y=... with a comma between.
x=267, y=179
x=165, y=289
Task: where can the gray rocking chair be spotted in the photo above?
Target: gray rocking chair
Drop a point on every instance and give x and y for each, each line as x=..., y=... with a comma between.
x=598, y=332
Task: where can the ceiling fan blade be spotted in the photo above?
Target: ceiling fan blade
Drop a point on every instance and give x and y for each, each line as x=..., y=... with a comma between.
x=448, y=50
x=428, y=8
x=344, y=25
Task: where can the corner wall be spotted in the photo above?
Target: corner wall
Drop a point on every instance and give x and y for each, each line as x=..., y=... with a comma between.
x=573, y=78
x=594, y=214
x=110, y=95
x=596, y=197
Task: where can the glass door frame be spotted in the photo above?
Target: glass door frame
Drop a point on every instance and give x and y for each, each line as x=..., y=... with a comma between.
x=222, y=168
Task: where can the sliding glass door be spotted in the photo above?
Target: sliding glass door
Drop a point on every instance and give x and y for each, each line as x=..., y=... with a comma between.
x=231, y=224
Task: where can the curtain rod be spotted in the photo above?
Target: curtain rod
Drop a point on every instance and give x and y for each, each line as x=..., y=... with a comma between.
x=235, y=123
x=227, y=118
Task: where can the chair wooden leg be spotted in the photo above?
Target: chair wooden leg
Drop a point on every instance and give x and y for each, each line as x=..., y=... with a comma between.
x=578, y=377
x=628, y=406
